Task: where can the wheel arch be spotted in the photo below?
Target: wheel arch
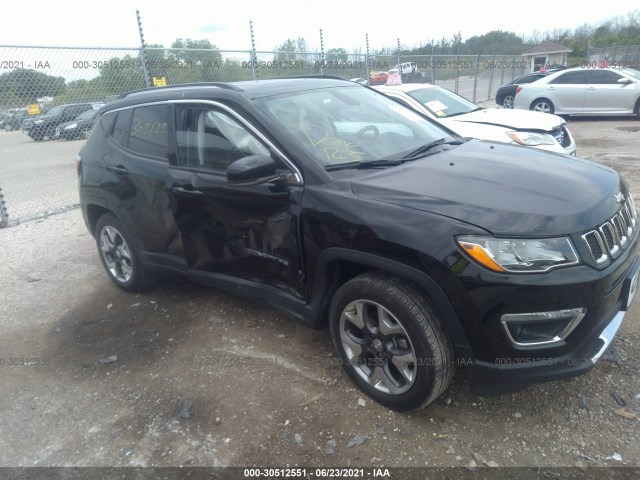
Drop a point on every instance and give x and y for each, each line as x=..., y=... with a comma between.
x=336, y=265
x=546, y=99
x=93, y=211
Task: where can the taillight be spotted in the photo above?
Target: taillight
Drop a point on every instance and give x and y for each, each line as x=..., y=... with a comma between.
x=78, y=162
x=518, y=90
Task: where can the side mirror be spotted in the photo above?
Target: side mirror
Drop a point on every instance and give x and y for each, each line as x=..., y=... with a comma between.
x=252, y=170
x=624, y=81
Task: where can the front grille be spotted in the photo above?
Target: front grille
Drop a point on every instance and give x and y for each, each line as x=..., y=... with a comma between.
x=609, y=239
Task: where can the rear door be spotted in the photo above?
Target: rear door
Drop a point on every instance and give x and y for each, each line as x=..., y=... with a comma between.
x=135, y=173
x=248, y=232
x=567, y=91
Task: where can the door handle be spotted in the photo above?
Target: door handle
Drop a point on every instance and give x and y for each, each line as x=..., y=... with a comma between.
x=551, y=88
x=187, y=191
x=119, y=169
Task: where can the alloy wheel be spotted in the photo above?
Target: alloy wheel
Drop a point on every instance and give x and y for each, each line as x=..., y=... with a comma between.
x=378, y=347
x=542, y=106
x=508, y=101
x=116, y=254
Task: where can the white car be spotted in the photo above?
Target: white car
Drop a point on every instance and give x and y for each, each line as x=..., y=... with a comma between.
x=533, y=129
x=406, y=68
x=592, y=91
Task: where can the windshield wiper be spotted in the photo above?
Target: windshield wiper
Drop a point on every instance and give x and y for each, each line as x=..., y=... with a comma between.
x=365, y=164
x=425, y=148
x=386, y=162
x=380, y=163
x=463, y=113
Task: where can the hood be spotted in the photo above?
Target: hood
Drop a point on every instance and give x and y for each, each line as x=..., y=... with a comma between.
x=507, y=118
x=507, y=190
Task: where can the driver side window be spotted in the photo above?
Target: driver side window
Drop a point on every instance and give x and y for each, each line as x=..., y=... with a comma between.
x=211, y=139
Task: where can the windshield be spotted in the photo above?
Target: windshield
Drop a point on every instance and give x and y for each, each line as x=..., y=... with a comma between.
x=346, y=125
x=54, y=112
x=442, y=103
x=632, y=72
x=87, y=115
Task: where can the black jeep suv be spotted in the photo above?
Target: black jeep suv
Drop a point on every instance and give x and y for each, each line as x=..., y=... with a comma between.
x=45, y=125
x=420, y=250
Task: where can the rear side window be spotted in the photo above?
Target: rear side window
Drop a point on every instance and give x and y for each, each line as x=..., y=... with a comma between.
x=148, y=133
x=107, y=120
x=121, y=127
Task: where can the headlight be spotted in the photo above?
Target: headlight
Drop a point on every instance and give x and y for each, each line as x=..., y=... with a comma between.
x=36, y=122
x=69, y=127
x=531, y=139
x=520, y=254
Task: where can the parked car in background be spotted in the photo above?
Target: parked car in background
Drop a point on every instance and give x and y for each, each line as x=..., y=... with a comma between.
x=80, y=127
x=593, y=91
x=44, y=126
x=406, y=68
x=546, y=132
x=421, y=251
x=506, y=93
x=13, y=120
x=379, y=78
x=409, y=73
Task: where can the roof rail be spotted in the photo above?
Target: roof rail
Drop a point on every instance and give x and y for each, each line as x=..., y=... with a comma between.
x=227, y=86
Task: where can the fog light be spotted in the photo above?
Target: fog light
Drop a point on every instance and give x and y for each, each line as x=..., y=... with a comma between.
x=541, y=328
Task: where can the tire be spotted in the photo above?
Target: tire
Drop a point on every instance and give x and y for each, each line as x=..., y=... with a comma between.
x=507, y=101
x=638, y=108
x=119, y=257
x=407, y=364
x=543, y=105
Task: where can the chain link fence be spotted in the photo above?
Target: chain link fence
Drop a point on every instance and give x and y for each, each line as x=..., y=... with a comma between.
x=49, y=96
x=622, y=55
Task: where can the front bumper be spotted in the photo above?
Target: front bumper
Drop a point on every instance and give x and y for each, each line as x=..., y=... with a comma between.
x=513, y=372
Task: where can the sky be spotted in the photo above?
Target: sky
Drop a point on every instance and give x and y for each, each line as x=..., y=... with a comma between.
x=226, y=23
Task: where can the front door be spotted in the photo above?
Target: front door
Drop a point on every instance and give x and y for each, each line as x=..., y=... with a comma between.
x=605, y=94
x=248, y=232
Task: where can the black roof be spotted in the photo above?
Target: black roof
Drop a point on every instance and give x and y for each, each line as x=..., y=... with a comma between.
x=265, y=88
x=249, y=89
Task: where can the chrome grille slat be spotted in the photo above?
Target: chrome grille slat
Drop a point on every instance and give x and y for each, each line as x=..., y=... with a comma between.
x=609, y=239
x=621, y=229
x=596, y=246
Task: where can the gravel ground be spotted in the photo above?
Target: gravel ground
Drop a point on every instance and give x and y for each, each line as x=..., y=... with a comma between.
x=184, y=375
